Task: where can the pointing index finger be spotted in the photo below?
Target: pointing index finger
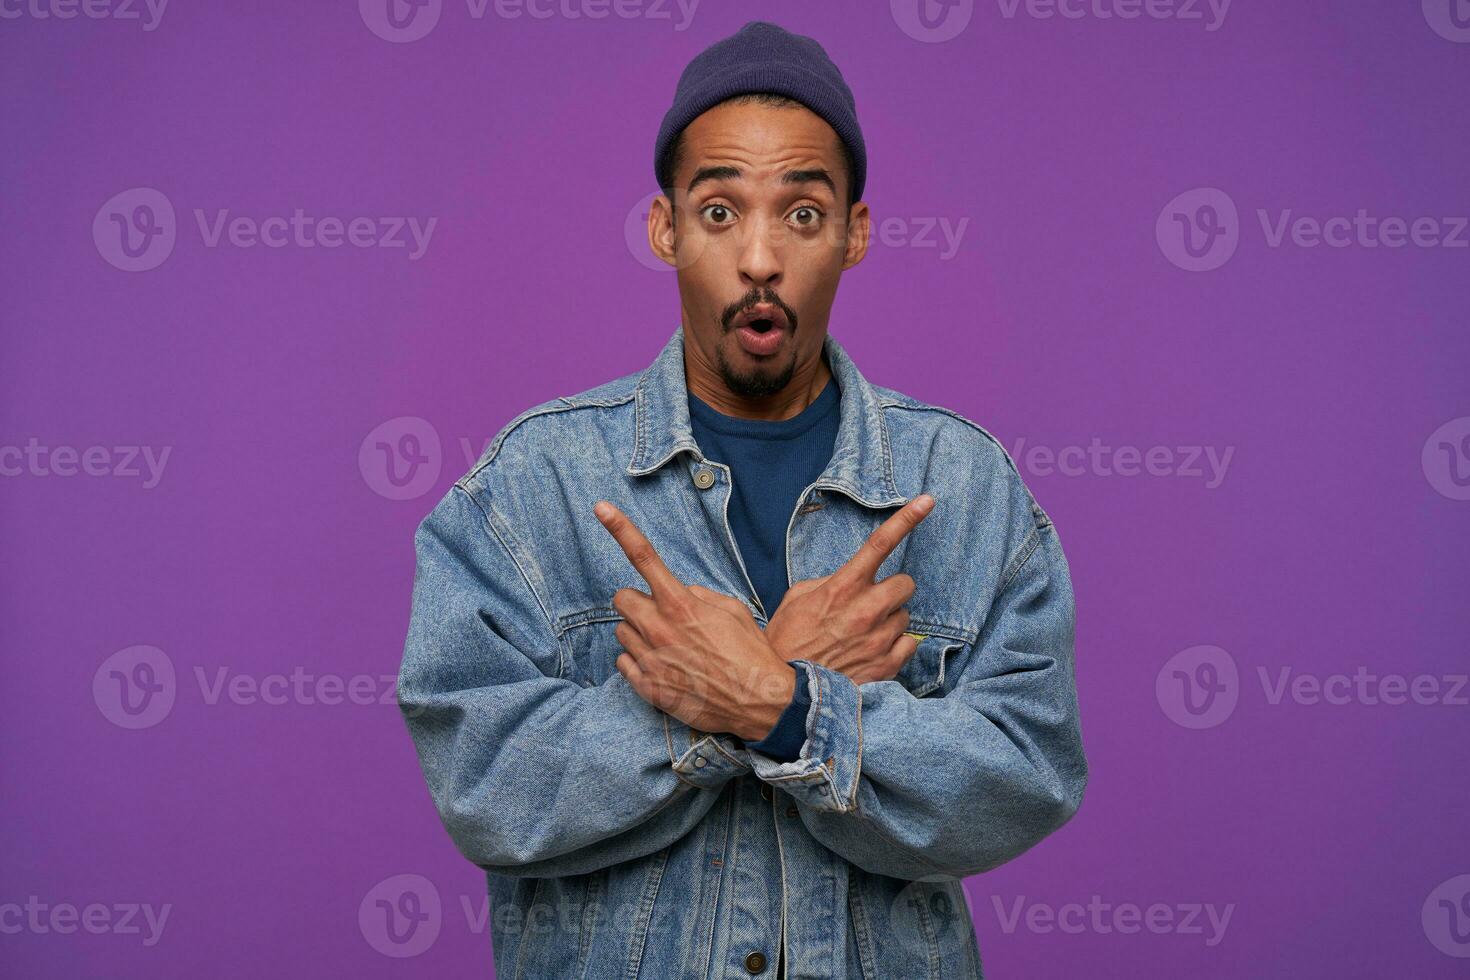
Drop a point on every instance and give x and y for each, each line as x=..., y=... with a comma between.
x=641, y=554
x=886, y=536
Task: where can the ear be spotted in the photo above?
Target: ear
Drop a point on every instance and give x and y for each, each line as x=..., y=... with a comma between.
x=857, y=235
x=661, y=228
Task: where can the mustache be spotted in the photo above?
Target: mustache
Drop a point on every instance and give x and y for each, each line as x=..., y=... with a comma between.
x=753, y=298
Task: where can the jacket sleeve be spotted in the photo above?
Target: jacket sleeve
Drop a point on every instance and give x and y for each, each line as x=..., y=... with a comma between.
x=939, y=788
x=533, y=774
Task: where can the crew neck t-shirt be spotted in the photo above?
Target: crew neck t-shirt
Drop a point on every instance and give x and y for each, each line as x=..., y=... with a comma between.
x=771, y=462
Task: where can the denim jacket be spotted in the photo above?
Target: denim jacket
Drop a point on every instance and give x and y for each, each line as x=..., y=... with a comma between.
x=620, y=843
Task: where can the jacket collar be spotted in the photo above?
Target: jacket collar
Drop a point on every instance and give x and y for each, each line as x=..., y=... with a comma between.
x=861, y=466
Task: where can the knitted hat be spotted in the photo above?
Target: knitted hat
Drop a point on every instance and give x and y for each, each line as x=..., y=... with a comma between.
x=763, y=57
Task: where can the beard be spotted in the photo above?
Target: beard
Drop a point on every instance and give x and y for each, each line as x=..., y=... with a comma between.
x=757, y=383
x=754, y=384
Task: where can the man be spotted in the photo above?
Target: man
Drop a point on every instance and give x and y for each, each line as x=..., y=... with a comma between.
x=737, y=665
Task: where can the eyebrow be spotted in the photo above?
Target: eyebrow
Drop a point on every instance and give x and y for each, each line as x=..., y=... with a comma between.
x=817, y=176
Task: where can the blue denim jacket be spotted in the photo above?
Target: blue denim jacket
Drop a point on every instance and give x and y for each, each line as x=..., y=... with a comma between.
x=620, y=843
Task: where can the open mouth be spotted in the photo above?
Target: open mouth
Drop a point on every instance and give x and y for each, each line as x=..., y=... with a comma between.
x=762, y=330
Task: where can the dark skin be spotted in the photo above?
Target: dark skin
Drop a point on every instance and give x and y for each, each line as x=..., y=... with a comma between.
x=701, y=656
x=758, y=227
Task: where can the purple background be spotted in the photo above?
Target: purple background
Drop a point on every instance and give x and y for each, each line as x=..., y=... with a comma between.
x=271, y=545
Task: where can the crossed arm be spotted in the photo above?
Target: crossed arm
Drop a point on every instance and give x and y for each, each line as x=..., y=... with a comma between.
x=535, y=775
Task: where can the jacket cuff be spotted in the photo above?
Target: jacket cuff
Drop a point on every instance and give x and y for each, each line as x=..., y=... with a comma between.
x=825, y=776
x=783, y=743
x=704, y=759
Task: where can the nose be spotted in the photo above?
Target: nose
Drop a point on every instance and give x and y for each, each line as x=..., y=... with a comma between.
x=760, y=253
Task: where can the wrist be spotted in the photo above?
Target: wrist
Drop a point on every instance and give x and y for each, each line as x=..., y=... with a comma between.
x=773, y=691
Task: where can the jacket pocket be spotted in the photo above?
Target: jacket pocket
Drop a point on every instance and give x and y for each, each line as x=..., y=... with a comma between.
x=926, y=670
x=590, y=646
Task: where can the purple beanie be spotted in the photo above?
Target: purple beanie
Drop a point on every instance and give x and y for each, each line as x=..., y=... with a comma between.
x=763, y=57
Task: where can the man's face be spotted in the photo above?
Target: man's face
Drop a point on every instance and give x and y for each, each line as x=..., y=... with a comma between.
x=759, y=239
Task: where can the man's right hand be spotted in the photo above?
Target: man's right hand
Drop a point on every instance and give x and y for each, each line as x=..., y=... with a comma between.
x=848, y=622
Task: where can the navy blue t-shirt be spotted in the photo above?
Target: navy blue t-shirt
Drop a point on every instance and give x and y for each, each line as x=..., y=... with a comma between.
x=771, y=463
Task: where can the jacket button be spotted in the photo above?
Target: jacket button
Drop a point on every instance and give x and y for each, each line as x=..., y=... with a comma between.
x=765, y=791
x=704, y=478
x=755, y=962
x=700, y=762
x=791, y=811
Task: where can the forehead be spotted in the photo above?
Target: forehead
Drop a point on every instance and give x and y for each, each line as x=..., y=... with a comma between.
x=763, y=139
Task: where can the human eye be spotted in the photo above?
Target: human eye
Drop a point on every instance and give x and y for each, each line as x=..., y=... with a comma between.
x=717, y=213
x=806, y=216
